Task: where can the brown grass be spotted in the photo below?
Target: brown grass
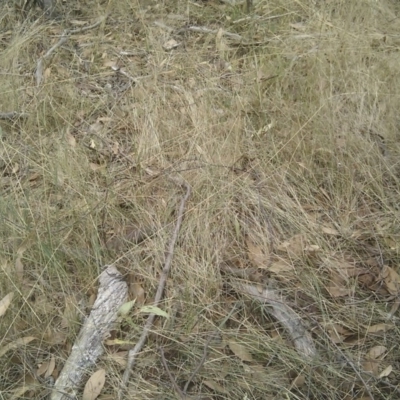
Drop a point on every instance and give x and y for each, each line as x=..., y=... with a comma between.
x=290, y=143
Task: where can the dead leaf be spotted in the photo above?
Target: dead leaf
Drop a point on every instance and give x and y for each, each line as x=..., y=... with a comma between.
x=280, y=266
x=391, y=279
x=216, y=387
x=29, y=384
x=47, y=73
x=336, y=291
x=394, y=309
x=5, y=303
x=312, y=248
x=15, y=344
x=337, y=333
x=330, y=231
x=77, y=22
x=386, y=372
x=255, y=372
x=112, y=64
x=46, y=368
x=42, y=368
x=376, y=351
x=71, y=312
x=373, y=359
x=120, y=358
x=299, y=26
x=170, y=44
x=55, y=337
x=380, y=328
x=51, y=367
x=19, y=268
x=294, y=246
x=115, y=148
x=71, y=139
x=256, y=254
x=240, y=351
x=371, y=366
x=299, y=381
x=94, y=385
x=137, y=292
x=95, y=167
x=344, y=269
x=97, y=127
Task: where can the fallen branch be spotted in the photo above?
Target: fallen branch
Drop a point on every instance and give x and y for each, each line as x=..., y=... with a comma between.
x=132, y=354
x=88, y=347
x=285, y=315
x=64, y=37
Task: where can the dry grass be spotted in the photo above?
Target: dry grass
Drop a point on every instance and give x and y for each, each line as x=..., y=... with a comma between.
x=290, y=143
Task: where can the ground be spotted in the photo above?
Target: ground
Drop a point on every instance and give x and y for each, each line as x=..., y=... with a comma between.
x=282, y=116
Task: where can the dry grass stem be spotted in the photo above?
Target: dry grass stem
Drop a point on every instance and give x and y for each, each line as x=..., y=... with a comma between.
x=283, y=117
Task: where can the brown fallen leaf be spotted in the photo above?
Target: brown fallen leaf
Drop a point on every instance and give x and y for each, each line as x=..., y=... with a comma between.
x=46, y=368
x=376, y=351
x=70, y=139
x=136, y=291
x=240, y=351
x=391, y=279
x=386, y=372
x=94, y=385
x=51, y=367
x=294, y=246
x=5, y=303
x=330, y=231
x=29, y=384
x=19, y=268
x=380, y=328
x=371, y=366
x=216, y=387
x=280, y=266
x=15, y=344
x=337, y=291
x=337, y=333
x=299, y=381
x=120, y=358
x=373, y=359
x=257, y=254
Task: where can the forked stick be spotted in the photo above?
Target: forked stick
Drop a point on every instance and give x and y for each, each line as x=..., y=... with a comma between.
x=132, y=354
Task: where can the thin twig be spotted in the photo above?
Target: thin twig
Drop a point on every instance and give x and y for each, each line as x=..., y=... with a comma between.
x=200, y=364
x=132, y=354
x=171, y=378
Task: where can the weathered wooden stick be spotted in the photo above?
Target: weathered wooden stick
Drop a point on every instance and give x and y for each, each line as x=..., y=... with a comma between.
x=88, y=347
x=286, y=316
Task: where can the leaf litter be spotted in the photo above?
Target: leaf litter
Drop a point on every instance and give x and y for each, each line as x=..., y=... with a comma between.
x=330, y=199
